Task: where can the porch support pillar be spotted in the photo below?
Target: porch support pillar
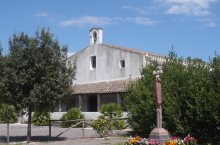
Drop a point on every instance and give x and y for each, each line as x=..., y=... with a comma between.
x=98, y=102
x=118, y=99
x=60, y=106
x=80, y=102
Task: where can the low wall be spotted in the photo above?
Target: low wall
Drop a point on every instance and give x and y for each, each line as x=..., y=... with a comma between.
x=58, y=115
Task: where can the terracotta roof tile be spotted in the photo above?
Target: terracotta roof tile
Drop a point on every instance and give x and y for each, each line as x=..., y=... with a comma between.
x=101, y=87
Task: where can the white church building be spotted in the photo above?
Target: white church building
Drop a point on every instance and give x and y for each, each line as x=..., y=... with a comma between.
x=103, y=72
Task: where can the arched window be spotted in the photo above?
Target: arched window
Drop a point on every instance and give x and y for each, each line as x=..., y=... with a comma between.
x=95, y=37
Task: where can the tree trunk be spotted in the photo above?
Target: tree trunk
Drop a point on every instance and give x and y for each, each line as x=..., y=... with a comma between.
x=8, y=132
x=29, y=124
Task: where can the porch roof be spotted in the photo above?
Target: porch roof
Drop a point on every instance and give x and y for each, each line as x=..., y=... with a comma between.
x=116, y=86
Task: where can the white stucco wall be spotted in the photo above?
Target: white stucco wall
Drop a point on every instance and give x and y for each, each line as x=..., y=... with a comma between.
x=107, y=64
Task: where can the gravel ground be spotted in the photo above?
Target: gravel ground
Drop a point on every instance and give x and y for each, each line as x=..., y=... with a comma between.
x=74, y=136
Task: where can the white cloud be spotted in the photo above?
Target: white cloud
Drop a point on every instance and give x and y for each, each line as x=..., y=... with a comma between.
x=207, y=22
x=41, y=14
x=140, y=10
x=100, y=21
x=211, y=24
x=87, y=20
x=126, y=7
x=188, y=7
x=140, y=20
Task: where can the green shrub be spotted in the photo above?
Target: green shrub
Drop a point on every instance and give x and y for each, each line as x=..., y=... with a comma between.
x=101, y=126
x=72, y=114
x=111, y=110
x=8, y=113
x=107, y=120
x=119, y=124
x=41, y=118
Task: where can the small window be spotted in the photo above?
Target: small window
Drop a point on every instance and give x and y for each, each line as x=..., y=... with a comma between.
x=122, y=63
x=95, y=37
x=93, y=62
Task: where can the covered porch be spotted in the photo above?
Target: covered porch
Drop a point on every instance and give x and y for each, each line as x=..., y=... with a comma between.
x=90, y=97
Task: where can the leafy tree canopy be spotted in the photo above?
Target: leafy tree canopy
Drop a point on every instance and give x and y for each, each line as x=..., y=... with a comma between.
x=36, y=74
x=36, y=71
x=191, y=98
x=7, y=113
x=139, y=100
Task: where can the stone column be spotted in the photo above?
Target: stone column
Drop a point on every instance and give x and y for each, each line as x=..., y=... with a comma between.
x=159, y=132
x=98, y=102
x=60, y=107
x=80, y=102
x=158, y=101
x=159, y=117
x=118, y=99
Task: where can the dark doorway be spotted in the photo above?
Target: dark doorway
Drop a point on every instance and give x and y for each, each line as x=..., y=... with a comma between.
x=92, y=104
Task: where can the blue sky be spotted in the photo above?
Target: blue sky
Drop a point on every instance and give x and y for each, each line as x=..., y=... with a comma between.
x=191, y=26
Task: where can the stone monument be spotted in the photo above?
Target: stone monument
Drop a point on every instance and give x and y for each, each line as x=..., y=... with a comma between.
x=159, y=132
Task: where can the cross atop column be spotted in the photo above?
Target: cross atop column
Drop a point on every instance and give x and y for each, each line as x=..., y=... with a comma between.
x=158, y=97
x=159, y=132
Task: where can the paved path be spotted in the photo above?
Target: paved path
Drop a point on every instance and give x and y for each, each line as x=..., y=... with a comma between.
x=88, y=141
x=40, y=134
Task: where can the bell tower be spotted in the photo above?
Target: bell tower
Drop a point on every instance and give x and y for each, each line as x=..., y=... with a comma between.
x=95, y=36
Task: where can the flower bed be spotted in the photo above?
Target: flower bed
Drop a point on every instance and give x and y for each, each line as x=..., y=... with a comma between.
x=188, y=140
x=141, y=141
